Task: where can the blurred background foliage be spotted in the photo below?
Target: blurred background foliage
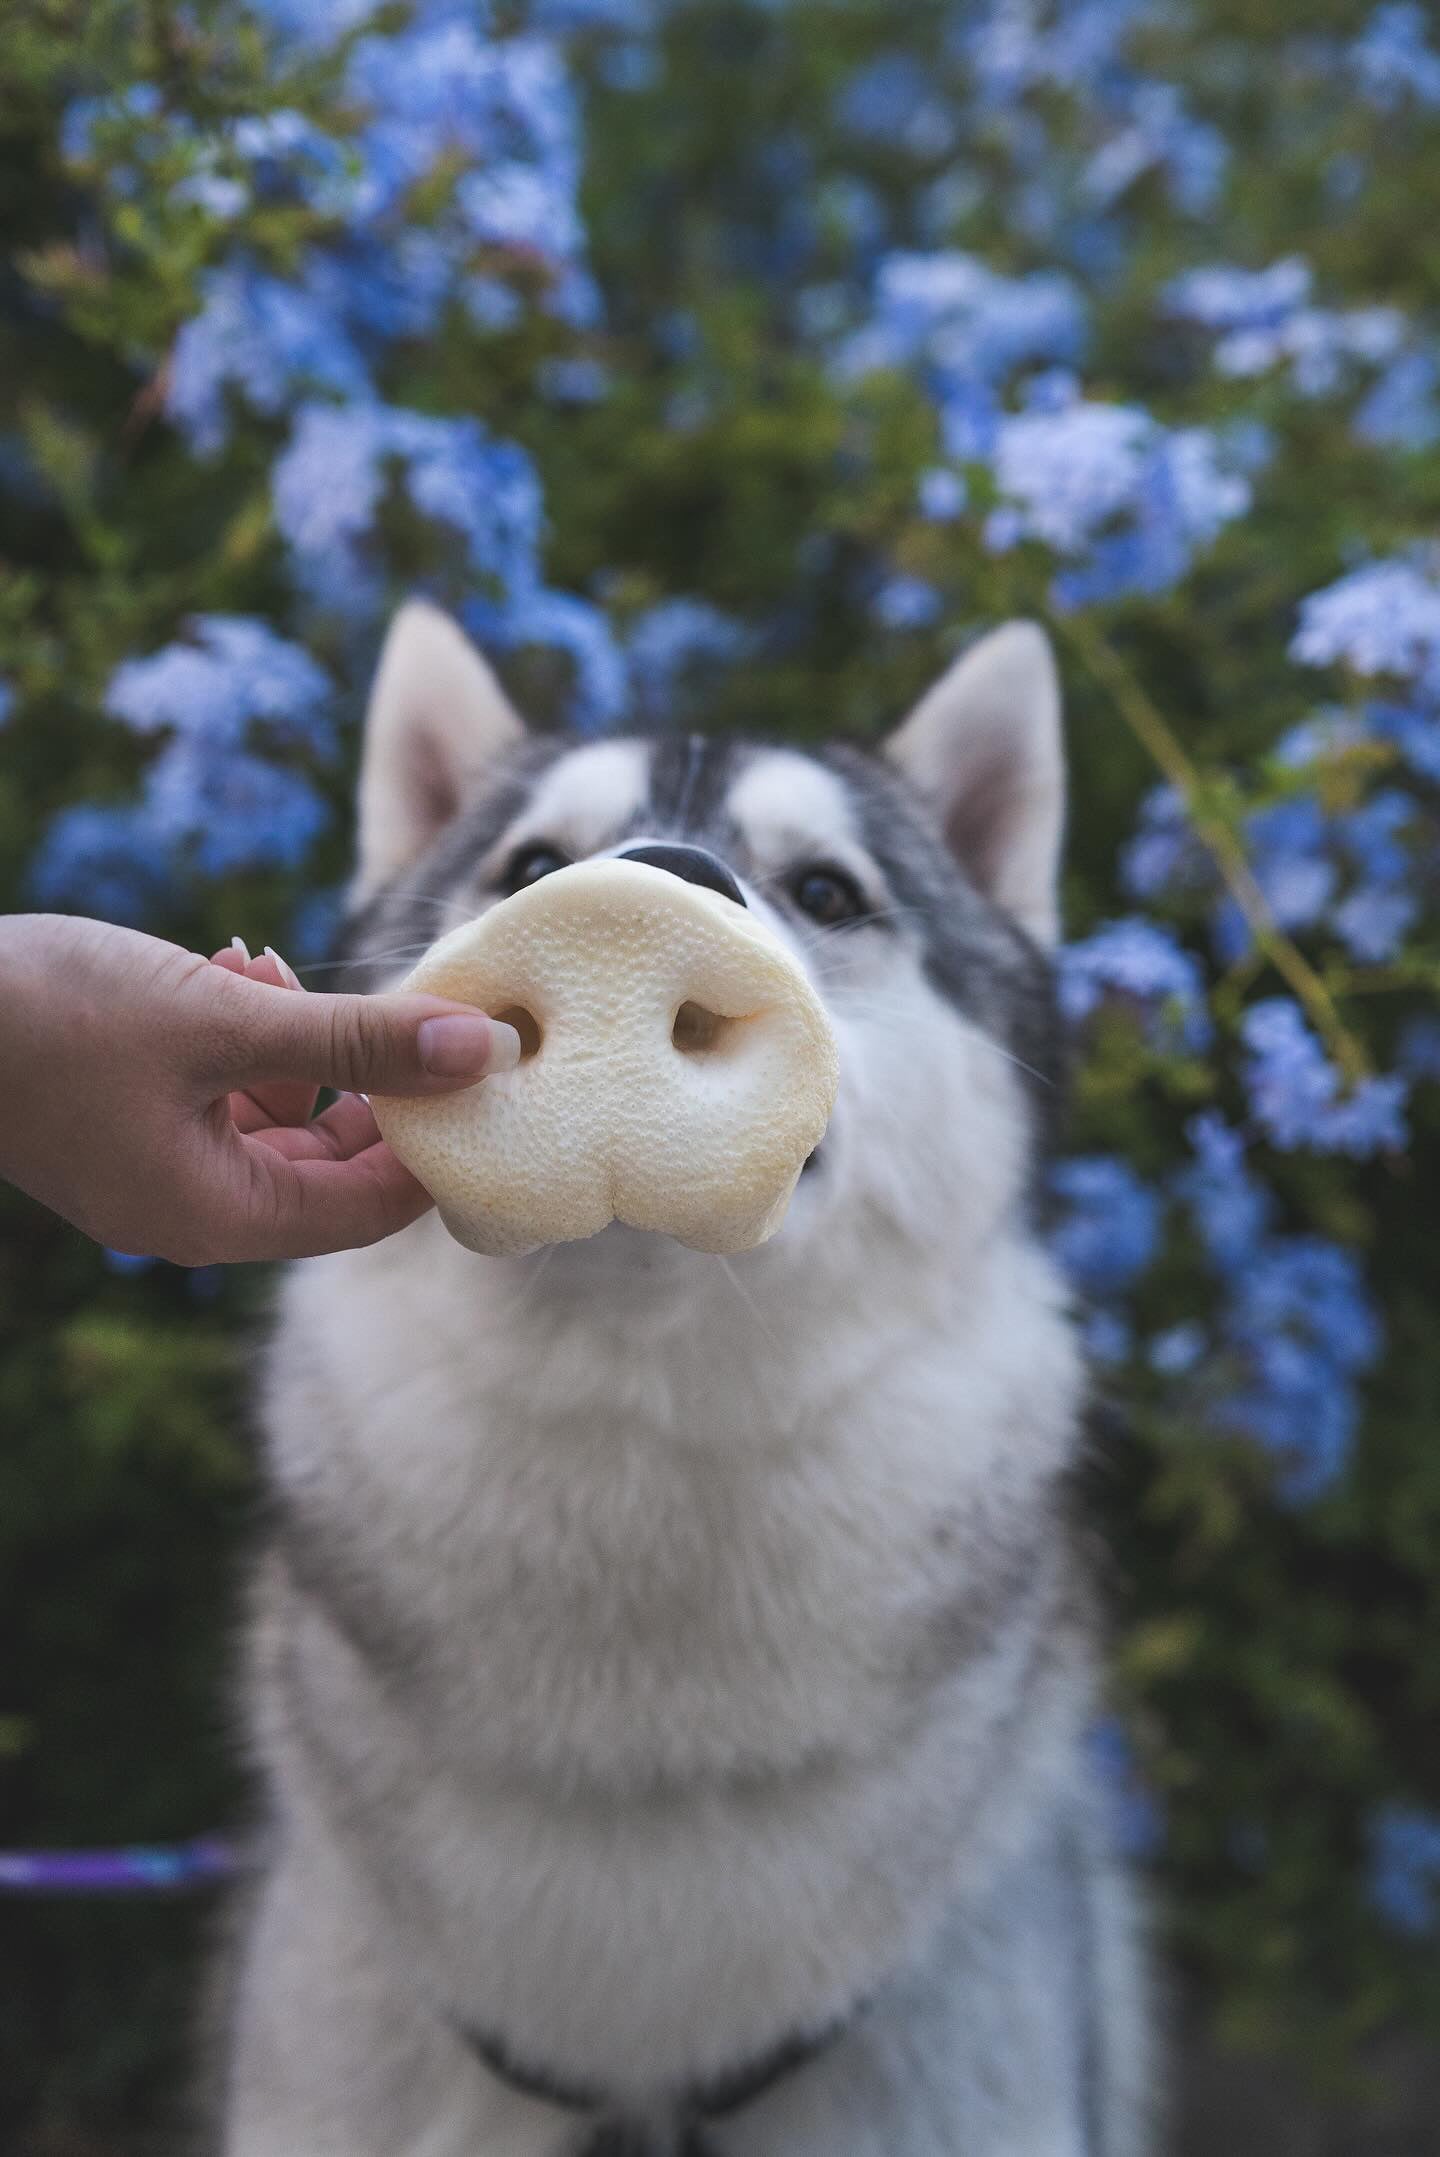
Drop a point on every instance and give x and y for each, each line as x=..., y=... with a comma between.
x=731, y=362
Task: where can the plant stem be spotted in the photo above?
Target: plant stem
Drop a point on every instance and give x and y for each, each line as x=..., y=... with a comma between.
x=1152, y=731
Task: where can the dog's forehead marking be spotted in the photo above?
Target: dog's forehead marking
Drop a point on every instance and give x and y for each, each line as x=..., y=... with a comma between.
x=781, y=797
x=592, y=794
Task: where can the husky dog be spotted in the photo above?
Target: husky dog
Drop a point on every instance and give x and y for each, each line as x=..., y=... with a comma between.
x=671, y=1675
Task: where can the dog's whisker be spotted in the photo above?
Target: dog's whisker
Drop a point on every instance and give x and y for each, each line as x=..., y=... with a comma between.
x=429, y=898
x=368, y=958
x=877, y=1007
x=750, y=1304
x=527, y=1286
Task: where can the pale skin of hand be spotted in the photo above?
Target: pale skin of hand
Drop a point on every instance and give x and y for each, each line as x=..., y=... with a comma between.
x=162, y=1102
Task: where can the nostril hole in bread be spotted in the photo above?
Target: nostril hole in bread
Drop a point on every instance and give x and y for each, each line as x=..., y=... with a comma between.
x=526, y=1025
x=697, y=1031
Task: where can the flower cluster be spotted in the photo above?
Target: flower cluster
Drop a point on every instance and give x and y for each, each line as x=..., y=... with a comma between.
x=1265, y=319
x=481, y=124
x=212, y=800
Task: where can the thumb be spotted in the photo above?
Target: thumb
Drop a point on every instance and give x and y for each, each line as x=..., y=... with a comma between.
x=403, y=1044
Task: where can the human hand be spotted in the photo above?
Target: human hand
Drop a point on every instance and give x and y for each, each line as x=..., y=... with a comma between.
x=161, y=1102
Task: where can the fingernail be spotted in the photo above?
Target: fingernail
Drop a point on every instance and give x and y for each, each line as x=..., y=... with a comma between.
x=506, y=1046
x=463, y=1047
x=237, y=943
x=287, y=972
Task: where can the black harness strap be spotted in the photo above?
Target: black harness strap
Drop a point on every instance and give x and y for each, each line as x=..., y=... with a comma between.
x=622, y=2138
x=617, y=2134
x=526, y=2078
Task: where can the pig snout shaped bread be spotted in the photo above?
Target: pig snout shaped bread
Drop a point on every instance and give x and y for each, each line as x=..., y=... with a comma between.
x=678, y=1070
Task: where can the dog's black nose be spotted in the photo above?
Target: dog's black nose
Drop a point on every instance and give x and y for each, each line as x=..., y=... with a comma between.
x=693, y=863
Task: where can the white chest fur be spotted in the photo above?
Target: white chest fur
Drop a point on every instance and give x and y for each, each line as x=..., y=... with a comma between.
x=682, y=1588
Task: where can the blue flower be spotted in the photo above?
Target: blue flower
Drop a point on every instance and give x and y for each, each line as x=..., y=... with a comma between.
x=228, y=812
x=141, y=101
x=327, y=488
x=1178, y=1349
x=1401, y=411
x=329, y=483
x=582, y=632
x=1288, y=844
x=1372, y=836
x=1231, y=1209
x=266, y=340
x=632, y=16
x=1013, y=46
x=1303, y=1284
x=210, y=803
x=1404, y=1868
x=1110, y=1228
x=1108, y=1337
x=1164, y=852
x=1297, y=1096
x=7, y=701
x=1267, y=319
x=1142, y=963
x=1416, y=734
x=893, y=99
x=1295, y=1329
x=1109, y=488
x=941, y=494
x=102, y=859
x=314, y=23
x=1300, y=1413
x=906, y=603
x=1381, y=619
x=1160, y=135
x=521, y=206
x=1138, y=1824
x=442, y=88
x=577, y=380
x=235, y=672
x=1394, y=60
x=673, y=644
x=1417, y=1052
x=966, y=329
x=1298, y=1318
x=1373, y=923
x=315, y=926
x=1221, y=296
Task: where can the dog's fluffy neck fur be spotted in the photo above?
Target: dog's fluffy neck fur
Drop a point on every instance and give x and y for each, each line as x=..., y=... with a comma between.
x=588, y=1353
x=698, y=1546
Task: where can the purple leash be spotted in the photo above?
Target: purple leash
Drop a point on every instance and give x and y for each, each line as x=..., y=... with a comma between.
x=141, y=1870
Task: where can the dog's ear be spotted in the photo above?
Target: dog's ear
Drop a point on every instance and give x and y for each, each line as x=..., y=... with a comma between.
x=985, y=749
x=437, y=718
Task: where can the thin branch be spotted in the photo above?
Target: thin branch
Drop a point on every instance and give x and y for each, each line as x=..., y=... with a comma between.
x=1151, y=730
x=1400, y=974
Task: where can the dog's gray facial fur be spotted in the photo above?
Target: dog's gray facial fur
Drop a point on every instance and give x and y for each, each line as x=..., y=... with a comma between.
x=974, y=955
x=657, y=1660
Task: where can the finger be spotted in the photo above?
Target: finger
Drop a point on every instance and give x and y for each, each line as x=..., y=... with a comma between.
x=282, y=1101
x=404, y=1044
x=229, y=960
x=345, y=1129
x=300, y=1209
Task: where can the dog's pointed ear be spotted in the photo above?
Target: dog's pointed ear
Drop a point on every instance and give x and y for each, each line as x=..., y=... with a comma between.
x=437, y=717
x=985, y=749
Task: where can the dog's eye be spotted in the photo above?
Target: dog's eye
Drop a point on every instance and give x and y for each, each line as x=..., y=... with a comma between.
x=828, y=895
x=529, y=863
